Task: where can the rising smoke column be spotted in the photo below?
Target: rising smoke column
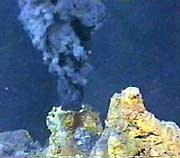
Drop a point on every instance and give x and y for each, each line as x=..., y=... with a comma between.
x=61, y=30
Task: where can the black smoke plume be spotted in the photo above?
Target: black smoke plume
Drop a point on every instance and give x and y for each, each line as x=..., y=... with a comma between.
x=61, y=29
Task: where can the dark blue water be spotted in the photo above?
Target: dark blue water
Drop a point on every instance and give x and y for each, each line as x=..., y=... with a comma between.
x=139, y=45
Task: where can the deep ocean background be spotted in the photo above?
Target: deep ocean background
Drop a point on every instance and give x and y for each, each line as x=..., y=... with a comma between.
x=139, y=45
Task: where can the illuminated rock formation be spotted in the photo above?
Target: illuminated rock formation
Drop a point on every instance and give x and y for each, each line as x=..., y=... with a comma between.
x=72, y=133
x=130, y=130
x=133, y=131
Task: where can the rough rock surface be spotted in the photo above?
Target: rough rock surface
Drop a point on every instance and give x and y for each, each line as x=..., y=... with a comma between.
x=72, y=133
x=130, y=131
x=17, y=143
x=133, y=131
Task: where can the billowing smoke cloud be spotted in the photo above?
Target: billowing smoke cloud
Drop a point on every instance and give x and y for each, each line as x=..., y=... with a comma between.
x=61, y=30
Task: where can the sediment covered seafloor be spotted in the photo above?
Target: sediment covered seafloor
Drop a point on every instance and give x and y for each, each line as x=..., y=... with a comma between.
x=130, y=131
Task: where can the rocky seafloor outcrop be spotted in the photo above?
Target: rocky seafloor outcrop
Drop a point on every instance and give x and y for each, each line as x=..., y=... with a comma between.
x=17, y=143
x=130, y=131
